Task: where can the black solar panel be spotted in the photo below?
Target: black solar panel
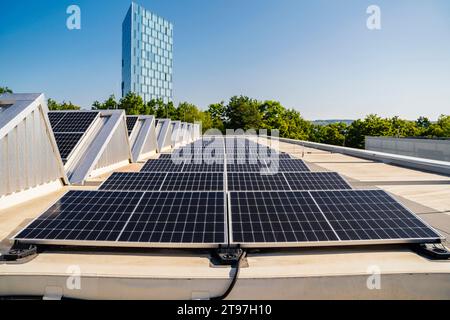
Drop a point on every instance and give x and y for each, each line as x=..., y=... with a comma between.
x=286, y=165
x=66, y=143
x=320, y=218
x=163, y=165
x=132, y=181
x=245, y=167
x=211, y=181
x=151, y=219
x=131, y=123
x=277, y=217
x=245, y=181
x=204, y=167
x=300, y=181
x=178, y=218
x=75, y=122
x=55, y=118
x=370, y=215
x=84, y=216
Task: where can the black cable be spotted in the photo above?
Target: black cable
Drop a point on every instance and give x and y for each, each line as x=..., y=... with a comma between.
x=237, y=266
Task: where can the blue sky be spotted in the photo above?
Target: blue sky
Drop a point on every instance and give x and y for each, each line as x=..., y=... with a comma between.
x=316, y=56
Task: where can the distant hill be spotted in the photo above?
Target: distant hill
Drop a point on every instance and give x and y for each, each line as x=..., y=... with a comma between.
x=326, y=122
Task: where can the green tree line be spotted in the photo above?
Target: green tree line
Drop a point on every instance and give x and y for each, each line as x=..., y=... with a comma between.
x=242, y=112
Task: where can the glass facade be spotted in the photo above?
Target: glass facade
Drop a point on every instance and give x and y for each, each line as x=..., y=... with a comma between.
x=147, y=55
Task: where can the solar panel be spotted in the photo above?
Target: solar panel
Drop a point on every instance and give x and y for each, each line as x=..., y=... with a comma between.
x=194, y=182
x=139, y=219
x=370, y=215
x=323, y=218
x=134, y=181
x=287, y=165
x=83, y=216
x=245, y=181
x=165, y=156
x=163, y=165
x=55, y=117
x=300, y=181
x=246, y=167
x=75, y=122
x=273, y=218
x=181, y=218
x=131, y=123
x=66, y=143
x=203, y=167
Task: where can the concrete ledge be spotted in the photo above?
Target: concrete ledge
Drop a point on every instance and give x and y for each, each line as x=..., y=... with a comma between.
x=441, y=167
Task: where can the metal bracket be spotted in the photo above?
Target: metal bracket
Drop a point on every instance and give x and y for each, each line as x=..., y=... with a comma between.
x=433, y=251
x=20, y=253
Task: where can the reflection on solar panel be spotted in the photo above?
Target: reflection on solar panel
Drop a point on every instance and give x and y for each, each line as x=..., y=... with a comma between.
x=163, y=165
x=300, y=181
x=66, y=143
x=321, y=218
x=277, y=217
x=192, y=218
x=193, y=182
x=75, y=122
x=152, y=219
x=245, y=181
x=131, y=123
x=132, y=181
x=370, y=215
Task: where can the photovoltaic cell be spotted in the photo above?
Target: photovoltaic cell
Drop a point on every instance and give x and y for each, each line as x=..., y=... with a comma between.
x=204, y=167
x=55, y=117
x=141, y=219
x=245, y=181
x=131, y=123
x=178, y=218
x=370, y=215
x=163, y=165
x=277, y=217
x=134, y=181
x=211, y=181
x=66, y=143
x=84, y=216
x=75, y=122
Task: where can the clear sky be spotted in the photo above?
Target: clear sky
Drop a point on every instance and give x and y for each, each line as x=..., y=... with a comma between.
x=316, y=56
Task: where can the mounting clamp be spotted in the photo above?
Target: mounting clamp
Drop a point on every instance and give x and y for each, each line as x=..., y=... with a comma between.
x=20, y=253
x=433, y=251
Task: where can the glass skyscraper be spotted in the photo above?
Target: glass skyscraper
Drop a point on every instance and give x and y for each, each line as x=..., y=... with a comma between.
x=147, y=55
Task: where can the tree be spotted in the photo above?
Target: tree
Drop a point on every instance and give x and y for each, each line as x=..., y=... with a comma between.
x=132, y=104
x=217, y=112
x=166, y=110
x=243, y=113
x=5, y=90
x=109, y=104
x=333, y=133
x=53, y=105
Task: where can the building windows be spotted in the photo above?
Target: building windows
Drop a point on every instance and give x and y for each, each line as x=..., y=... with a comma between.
x=151, y=59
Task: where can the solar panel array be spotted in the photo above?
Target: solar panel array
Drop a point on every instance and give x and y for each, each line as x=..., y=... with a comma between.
x=69, y=128
x=149, y=219
x=131, y=123
x=248, y=199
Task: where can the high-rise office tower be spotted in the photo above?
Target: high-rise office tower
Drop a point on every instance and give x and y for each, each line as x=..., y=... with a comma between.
x=147, y=55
